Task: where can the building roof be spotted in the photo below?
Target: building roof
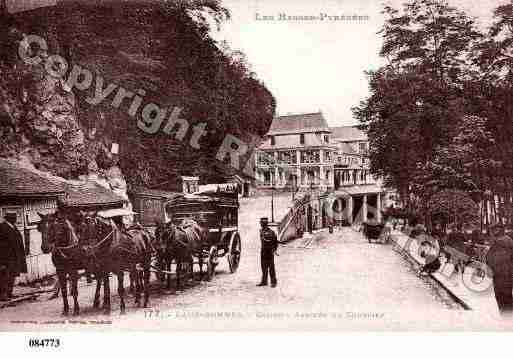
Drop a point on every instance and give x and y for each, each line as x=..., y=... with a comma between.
x=299, y=123
x=157, y=193
x=90, y=194
x=290, y=145
x=347, y=134
x=21, y=182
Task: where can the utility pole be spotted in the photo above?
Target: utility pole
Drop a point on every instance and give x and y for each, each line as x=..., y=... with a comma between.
x=272, y=199
x=293, y=187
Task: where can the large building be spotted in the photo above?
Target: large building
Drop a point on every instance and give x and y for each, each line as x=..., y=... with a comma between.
x=296, y=153
x=301, y=152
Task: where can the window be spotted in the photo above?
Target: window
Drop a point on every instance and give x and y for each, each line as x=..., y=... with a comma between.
x=310, y=156
x=267, y=178
x=287, y=157
x=273, y=141
x=227, y=158
x=189, y=184
x=327, y=156
x=311, y=177
x=265, y=158
x=302, y=139
x=363, y=147
x=326, y=138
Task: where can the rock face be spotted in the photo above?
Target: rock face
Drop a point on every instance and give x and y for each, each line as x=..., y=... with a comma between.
x=161, y=51
x=39, y=121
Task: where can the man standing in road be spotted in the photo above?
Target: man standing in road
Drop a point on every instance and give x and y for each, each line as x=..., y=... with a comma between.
x=12, y=255
x=269, y=243
x=500, y=259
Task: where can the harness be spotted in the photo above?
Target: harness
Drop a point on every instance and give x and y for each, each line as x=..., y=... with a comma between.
x=60, y=250
x=174, y=235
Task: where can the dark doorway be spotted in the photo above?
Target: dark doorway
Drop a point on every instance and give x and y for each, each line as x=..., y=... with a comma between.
x=357, y=208
x=309, y=224
x=292, y=181
x=324, y=215
x=337, y=179
x=340, y=212
x=372, y=203
x=246, y=189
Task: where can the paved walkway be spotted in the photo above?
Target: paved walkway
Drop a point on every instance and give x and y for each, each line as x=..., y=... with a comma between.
x=480, y=299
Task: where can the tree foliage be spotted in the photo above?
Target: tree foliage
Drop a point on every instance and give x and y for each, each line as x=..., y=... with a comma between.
x=439, y=112
x=453, y=206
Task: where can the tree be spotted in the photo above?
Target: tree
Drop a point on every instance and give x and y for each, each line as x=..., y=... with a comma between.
x=417, y=98
x=453, y=206
x=491, y=93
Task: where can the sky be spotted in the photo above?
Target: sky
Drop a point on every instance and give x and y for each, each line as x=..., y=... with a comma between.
x=314, y=65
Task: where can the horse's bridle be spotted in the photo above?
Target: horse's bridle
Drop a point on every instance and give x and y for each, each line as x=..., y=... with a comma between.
x=60, y=249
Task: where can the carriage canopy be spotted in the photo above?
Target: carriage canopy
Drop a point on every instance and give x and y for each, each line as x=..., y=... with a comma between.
x=213, y=206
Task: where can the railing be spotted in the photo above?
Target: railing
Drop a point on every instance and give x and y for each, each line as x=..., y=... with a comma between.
x=296, y=210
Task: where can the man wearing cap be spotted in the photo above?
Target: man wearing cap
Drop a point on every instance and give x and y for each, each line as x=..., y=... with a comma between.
x=269, y=243
x=500, y=260
x=12, y=255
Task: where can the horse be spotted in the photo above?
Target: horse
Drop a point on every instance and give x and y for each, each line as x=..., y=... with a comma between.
x=180, y=243
x=163, y=253
x=59, y=238
x=105, y=250
x=96, y=238
x=130, y=251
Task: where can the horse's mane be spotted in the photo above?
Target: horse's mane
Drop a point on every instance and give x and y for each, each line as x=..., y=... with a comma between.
x=73, y=235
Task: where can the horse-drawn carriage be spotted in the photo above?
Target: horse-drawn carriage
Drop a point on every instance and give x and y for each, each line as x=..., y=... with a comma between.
x=203, y=226
x=376, y=231
x=214, y=210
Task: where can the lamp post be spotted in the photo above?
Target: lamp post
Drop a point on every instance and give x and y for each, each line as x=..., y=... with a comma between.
x=272, y=199
x=294, y=180
x=311, y=177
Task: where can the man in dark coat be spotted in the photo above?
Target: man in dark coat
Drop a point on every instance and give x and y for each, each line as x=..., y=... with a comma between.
x=500, y=260
x=269, y=243
x=12, y=255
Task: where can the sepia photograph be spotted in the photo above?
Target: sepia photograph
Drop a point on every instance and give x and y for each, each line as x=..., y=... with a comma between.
x=255, y=165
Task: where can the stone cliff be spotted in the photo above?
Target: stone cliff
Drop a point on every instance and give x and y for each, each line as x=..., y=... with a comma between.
x=161, y=52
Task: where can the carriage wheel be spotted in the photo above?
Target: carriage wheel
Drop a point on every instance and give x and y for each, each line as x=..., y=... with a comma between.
x=234, y=252
x=212, y=263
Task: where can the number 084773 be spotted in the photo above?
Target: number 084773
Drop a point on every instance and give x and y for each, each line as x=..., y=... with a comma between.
x=44, y=343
